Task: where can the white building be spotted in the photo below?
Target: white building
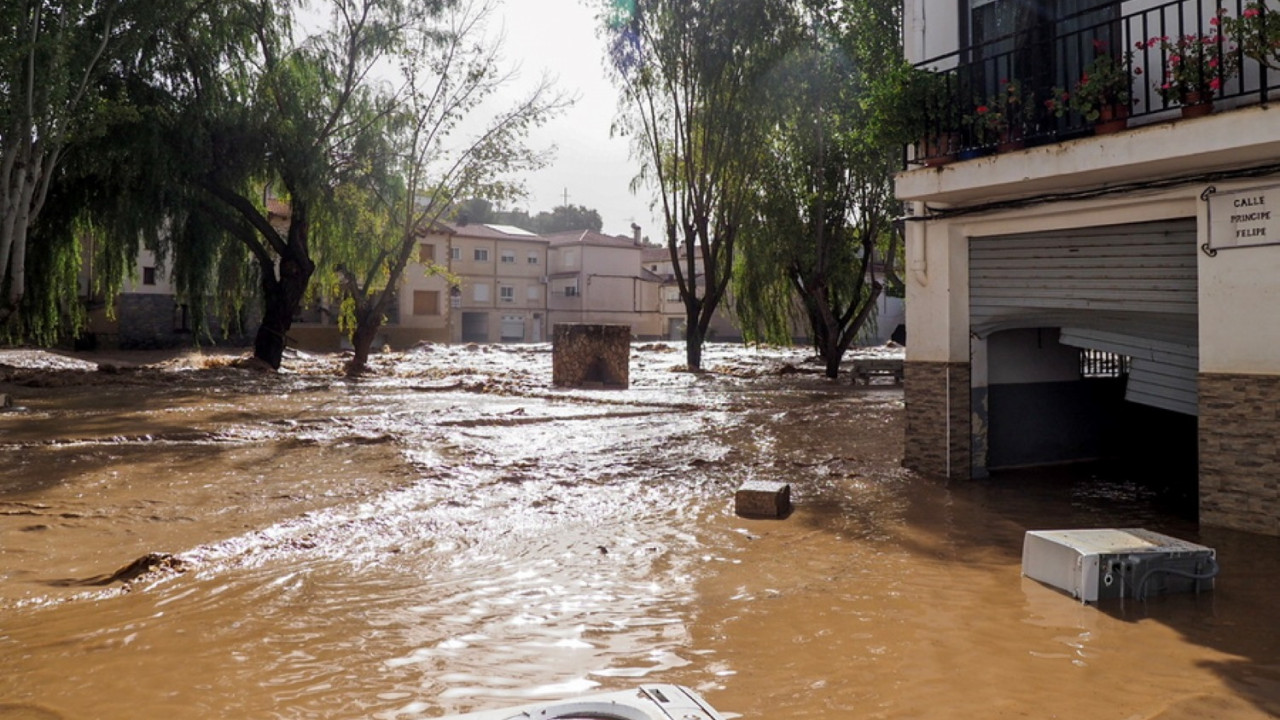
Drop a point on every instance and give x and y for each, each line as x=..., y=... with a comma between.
x=597, y=278
x=1157, y=246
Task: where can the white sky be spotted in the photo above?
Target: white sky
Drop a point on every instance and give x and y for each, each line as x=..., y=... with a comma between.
x=559, y=37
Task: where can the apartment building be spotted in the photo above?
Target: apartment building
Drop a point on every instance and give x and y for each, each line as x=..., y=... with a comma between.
x=1053, y=235
x=501, y=295
x=597, y=278
x=657, y=261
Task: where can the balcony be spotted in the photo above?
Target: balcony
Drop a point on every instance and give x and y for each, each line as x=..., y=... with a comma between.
x=1096, y=72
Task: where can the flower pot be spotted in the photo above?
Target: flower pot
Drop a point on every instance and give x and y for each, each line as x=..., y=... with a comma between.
x=938, y=150
x=1111, y=119
x=1011, y=140
x=1196, y=104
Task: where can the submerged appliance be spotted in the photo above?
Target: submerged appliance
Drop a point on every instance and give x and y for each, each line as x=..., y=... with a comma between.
x=1104, y=564
x=647, y=702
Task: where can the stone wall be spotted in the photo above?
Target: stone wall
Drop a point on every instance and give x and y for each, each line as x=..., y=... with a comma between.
x=148, y=321
x=155, y=320
x=1240, y=452
x=929, y=441
x=586, y=355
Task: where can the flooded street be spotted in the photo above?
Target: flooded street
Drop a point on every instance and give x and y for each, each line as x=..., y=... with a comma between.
x=452, y=534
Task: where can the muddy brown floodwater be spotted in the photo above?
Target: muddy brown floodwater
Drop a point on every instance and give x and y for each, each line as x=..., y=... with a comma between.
x=189, y=539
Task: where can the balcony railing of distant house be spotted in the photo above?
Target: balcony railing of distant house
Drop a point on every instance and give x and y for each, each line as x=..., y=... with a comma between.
x=1034, y=87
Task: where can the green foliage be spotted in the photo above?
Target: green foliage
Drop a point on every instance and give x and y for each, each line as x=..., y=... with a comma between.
x=695, y=100
x=57, y=63
x=824, y=200
x=1257, y=31
x=561, y=218
x=418, y=164
x=564, y=218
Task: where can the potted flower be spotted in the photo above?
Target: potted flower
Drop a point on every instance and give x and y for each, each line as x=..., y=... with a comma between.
x=1012, y=112
x=1058, y=102
x=1195, y=67
x=986, y=123
x=1257, y=30
x=1104, y=93
x=911, y=105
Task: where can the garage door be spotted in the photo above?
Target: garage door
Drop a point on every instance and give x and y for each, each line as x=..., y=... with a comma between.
x=512, y=328
x=1125, y=288
x=475, y=327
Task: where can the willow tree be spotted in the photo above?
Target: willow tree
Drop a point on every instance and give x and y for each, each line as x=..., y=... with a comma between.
x=448, y=139
x=55, y=60
x=692, y=81
x=289, y=114
x=823, y=225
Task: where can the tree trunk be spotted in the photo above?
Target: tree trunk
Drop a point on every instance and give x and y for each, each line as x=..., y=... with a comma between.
x=368, y=323
x=832, y=354
x=693, y=337
x=362, y=342
x=280, y=301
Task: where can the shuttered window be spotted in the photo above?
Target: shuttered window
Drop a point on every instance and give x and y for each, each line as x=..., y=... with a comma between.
x=426, y=302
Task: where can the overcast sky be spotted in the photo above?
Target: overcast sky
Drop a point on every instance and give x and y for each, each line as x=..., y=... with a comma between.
x=560, y=38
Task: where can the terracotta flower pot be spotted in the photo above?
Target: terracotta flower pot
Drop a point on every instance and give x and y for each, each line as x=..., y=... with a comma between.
x=1111, y=119
x=1196, y=104
x=938, y=150
x=1011, y=140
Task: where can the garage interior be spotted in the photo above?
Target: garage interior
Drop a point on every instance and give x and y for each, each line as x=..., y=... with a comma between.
x=1084, y=349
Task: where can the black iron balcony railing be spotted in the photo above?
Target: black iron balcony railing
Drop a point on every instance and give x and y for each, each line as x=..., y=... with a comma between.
x=1079, y=76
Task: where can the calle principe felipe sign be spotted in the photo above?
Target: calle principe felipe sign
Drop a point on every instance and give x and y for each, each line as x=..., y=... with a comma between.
x=1242, y=218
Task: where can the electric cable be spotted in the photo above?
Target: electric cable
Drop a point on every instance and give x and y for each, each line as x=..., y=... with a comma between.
x=932, y=213
x=1140, y=592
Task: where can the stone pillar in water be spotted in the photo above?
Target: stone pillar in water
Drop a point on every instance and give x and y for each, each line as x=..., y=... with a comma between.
x=588, y=355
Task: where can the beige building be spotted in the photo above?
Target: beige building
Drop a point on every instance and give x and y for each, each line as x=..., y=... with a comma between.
x=596, y=278
x=501, y=294
x=464, y=283
x=1073, y=295
x=657, y=261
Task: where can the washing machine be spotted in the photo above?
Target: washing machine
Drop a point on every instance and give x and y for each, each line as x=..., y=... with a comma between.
x=647, y=702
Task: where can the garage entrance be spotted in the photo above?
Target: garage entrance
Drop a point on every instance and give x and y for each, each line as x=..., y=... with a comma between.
x=475, y=327
x=1085, y=346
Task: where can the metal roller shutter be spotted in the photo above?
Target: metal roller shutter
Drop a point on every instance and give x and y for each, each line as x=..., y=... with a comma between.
x=1128, y=288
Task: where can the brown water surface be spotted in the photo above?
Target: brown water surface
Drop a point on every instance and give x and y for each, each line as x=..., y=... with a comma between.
x=452, y=534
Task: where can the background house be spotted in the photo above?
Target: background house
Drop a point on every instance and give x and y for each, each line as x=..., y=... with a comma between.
x=502, y=285
x=657, y=260
x=1094, y=295
x=597, y=278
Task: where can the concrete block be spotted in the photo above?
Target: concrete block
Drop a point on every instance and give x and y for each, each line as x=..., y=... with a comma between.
x=588, y=355
x=761, y=499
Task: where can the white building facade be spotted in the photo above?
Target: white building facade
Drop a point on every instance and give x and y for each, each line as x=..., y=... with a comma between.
x=1073, y=294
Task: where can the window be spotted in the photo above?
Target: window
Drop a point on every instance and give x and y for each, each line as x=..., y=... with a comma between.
x=480, y=293
x=148, y=276
x=534, y=293
x=426, y=253
x=508, y=256
x=571, y=290
x=181, y=319
x=455, y=253
x=671, y=294
x=506, y=293
x=482, y=254
x=1041, y=43
x=426, y=302
x=533, y=258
